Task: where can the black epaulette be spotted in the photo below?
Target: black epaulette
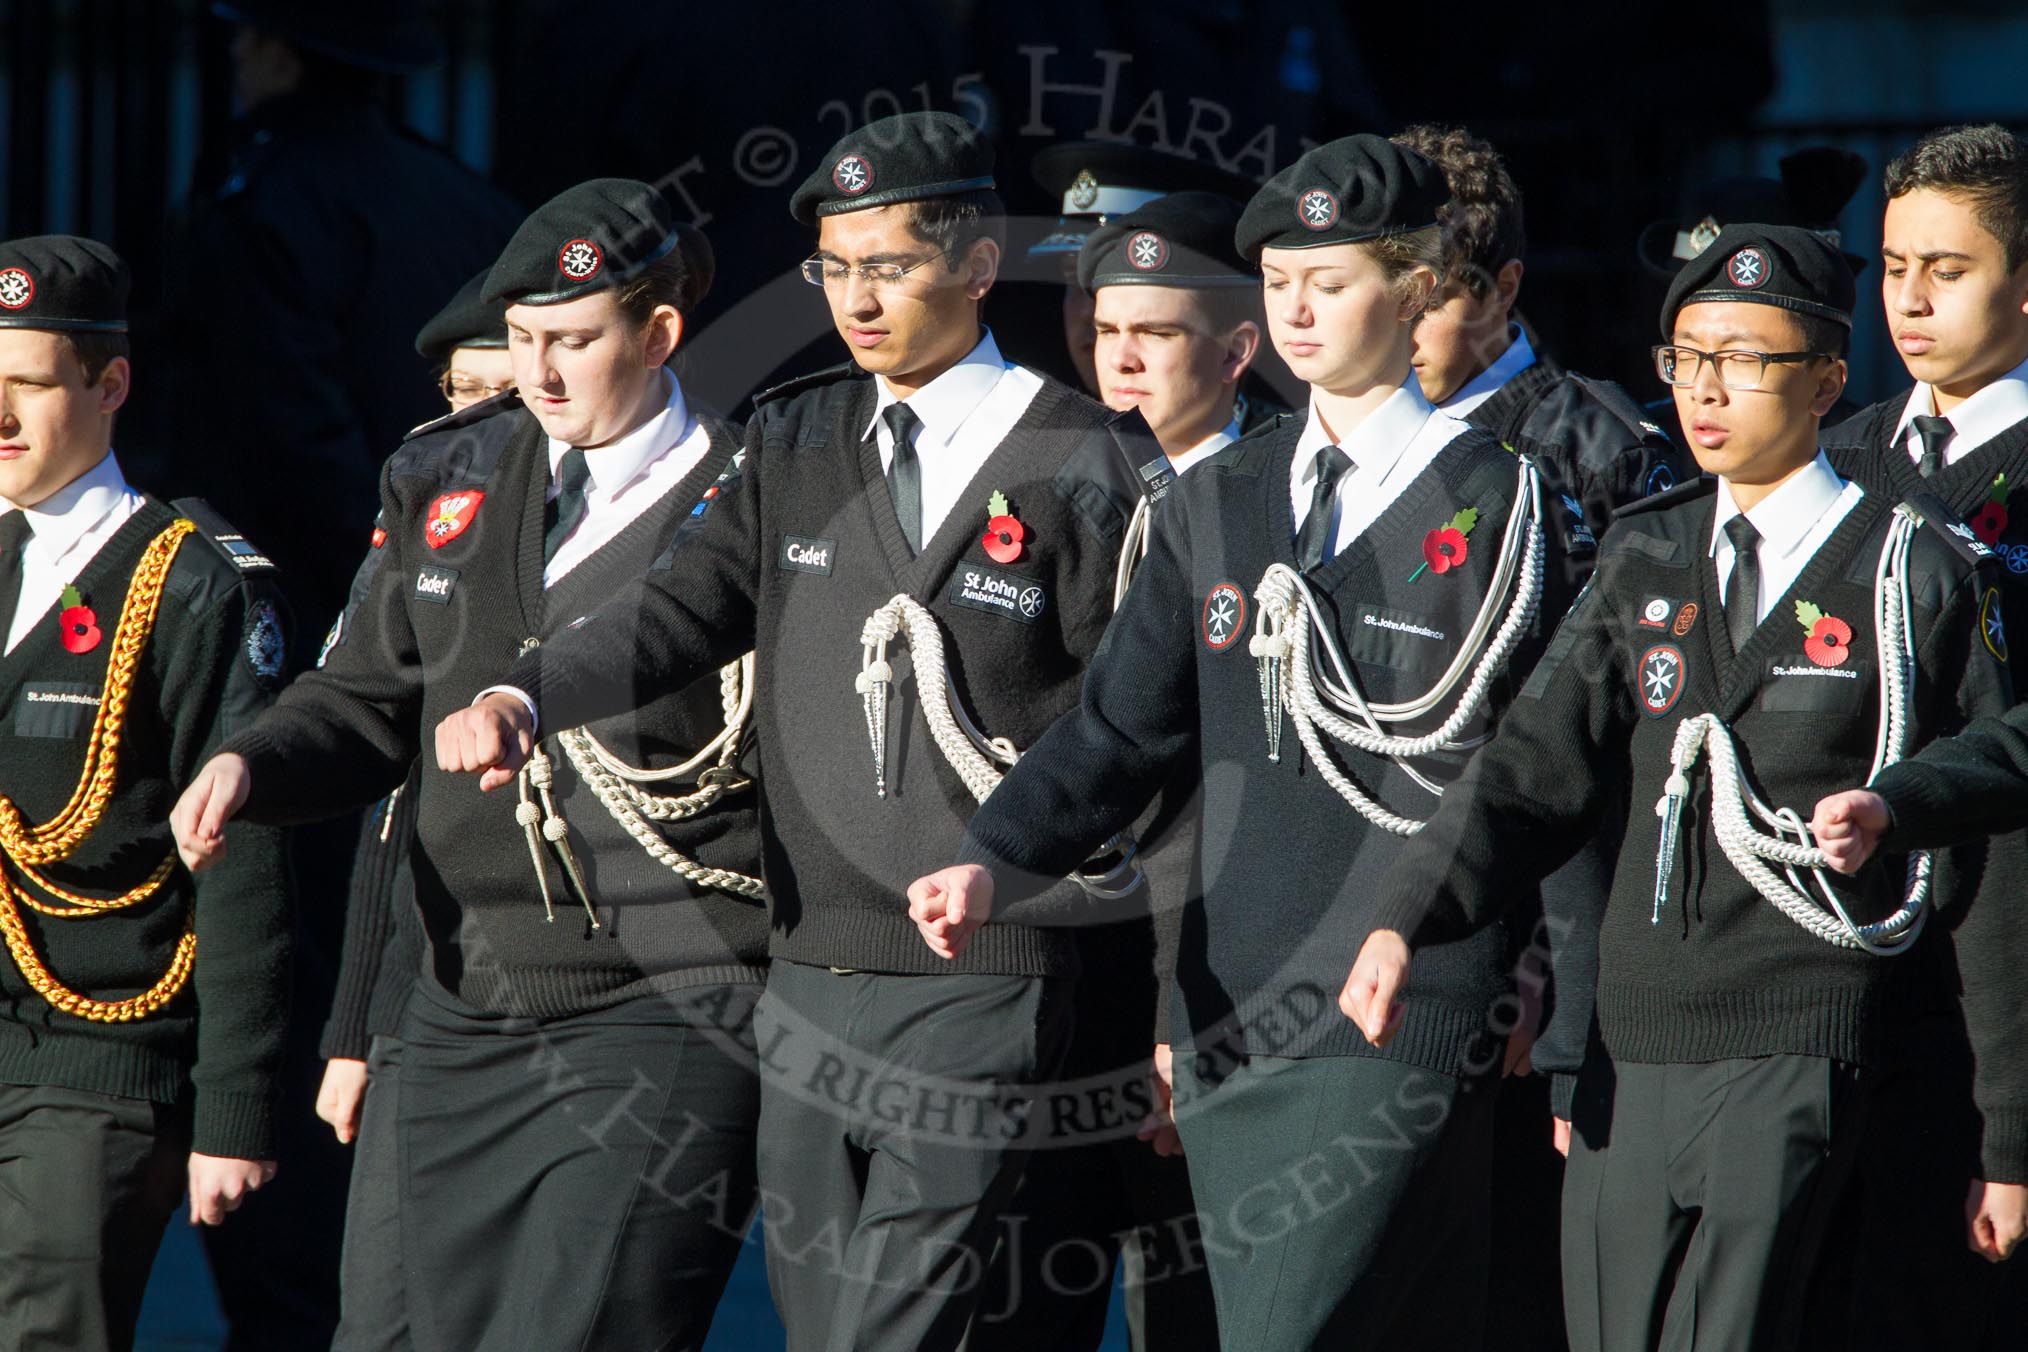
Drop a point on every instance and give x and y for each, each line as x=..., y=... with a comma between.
x=240, y=552
x=1613, y=397
x=796, y=385
x=466, y=416
x=1933, y=512
x=1702, y=486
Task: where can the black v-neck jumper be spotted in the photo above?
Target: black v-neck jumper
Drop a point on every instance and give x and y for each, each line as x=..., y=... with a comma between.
x=439, y=608
x=1715, y=971
x=1289, y=871
x=792, y=564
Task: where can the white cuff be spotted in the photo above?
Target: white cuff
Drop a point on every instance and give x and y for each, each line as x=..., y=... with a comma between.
x=534, y=720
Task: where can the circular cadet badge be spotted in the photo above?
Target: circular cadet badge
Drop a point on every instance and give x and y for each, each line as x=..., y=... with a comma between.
x=1661, y=479
x=1992, y=627
x=2016, y=557
x=1317, y=209
x=17, y=288
x=1224, y=616
x=1747, y=268
x=1661, y=676
x=579, y=259
x=1031, y=601
x=1147, y=251
x=853, y=175
x=264, y=647
x=1656, y=611
x=1083, y=190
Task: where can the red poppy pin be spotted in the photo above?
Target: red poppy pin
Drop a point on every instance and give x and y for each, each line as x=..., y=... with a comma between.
x=1447, y=546
x=1004, y=531
x=449, y=515
x=1990, y=521
x=1830, y=638
x=79, y=624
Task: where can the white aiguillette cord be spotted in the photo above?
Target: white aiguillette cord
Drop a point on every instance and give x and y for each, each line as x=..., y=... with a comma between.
x=980, y=761
x=1792, y=846
x=1289, y=640
x=618, y=786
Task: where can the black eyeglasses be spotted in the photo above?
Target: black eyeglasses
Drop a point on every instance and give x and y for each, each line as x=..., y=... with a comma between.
x=1738, y=368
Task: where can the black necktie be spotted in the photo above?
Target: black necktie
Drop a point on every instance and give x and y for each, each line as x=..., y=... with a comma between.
x=1742, y=591
x=566, y=509
x=1313, y=541
x=14, y=533
x=1936, y=433
x=904, y=473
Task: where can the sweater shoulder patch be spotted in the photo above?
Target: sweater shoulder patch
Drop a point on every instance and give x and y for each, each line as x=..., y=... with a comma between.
x=830, y=375
x=1940, y=522
x=1700, y=487
x=238, y=551
x=470, y=415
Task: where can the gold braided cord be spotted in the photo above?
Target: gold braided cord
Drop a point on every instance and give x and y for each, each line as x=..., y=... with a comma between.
x=57, y=839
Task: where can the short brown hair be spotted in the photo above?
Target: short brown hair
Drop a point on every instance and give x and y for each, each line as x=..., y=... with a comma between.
x=1400, y=255
x=1483, y=219
x=955, y=223
x=94, y=351
x=680, y=278
x=1986, y=166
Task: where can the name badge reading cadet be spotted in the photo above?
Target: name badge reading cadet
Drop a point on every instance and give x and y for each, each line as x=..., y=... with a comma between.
x=1009, y=595
x=802, y=554
x=434, y=584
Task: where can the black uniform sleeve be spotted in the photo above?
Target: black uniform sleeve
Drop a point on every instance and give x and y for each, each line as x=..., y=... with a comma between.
x=1987, y=929
x=242, y=906
x=665, y=631
x=345, y=734
x=1531, y=796
x=1963, y=788
x=1099, y=764
x=374, y=953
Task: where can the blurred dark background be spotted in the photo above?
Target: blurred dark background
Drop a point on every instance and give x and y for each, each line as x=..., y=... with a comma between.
x=117, y=120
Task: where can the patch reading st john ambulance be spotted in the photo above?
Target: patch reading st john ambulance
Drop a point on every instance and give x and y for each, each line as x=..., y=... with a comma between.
x=245, y=555
x=1008, y=595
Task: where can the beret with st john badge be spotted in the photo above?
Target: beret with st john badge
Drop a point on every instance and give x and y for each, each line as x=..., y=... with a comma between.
x=601, y=233
x=1783, y=265
x=62, y=282
x=903, y=158
x=1356, y=188
x=1184, y=239
x=467, y=320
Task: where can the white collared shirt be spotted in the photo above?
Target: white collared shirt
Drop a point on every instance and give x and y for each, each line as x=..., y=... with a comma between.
x=1208, y=447
x=1518, y=357
x=627, y=477
x=69, y=528
x=1395, y=443
x=1793, y=521
x=1975, y=422
x=966, y=413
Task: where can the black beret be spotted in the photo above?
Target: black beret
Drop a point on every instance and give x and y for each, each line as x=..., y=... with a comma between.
x=393, y=37
x=468, y=320
x=1782, y=265
x=599, y=234
x=62, y=282
x=1816, y=184
x=903, y=158
x=1184, y=239
x=1357, y=188
x=1098, y=181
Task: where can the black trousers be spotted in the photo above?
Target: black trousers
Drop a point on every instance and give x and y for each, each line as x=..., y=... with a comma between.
x=87, y=1184
x=582, y=1182
x=1900, y=1274
x=1343, y=1199
x=1093, y=1195
x=1696, y=1198
x=894, y=1120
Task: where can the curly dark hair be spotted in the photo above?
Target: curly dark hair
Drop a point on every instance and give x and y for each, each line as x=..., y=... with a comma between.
x=1986, y=166
x=1482, y=222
